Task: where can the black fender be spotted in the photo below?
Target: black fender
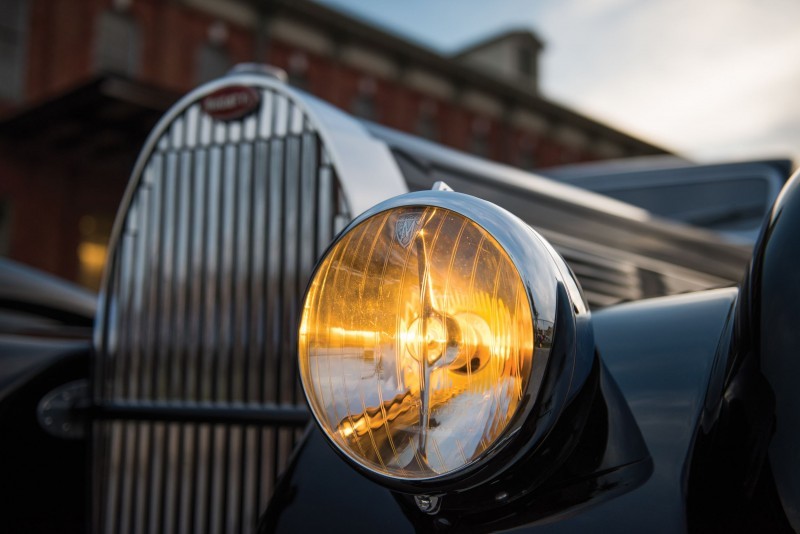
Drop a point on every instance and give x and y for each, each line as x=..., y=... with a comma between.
x=661, y=353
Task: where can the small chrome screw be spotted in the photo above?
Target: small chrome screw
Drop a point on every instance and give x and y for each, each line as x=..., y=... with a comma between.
x=428, y=504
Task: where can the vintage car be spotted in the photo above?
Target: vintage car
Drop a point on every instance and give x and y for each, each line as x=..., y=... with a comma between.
x=312, y=323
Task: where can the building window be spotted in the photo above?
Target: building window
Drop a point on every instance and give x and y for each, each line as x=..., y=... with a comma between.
x=525, y=61
x=117, y=45
x=212, y=62
x=527, y=154
x=298, y=70
x=213, y=59
x=13, y=38
x=427, y=124
x=364, y=103
x=480, y=137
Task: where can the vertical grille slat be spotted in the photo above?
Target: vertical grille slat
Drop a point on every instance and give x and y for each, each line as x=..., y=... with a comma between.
x=158, y=463
x=121, y=314
x=291, y=235
x=243, y=276
x=222, y=231
x=139, y=474
x=203, y=467
x=172, y=480
x=234, y=482
x=272, y=300
x=266, y=114
x=162, y=372
x=250, y=465
x=110, y=487
x=216, y=500
x=210, y=277
x=259, y=301
x=183, y=273
x=227, y=276
x=268, y=462
x=121, y=521
x=280, y=117
x=129, y=380
x=197, y=286
x=326, y=208
x=308, y=194
x=307, y=235
x=188, y=469
x=290, y=269
x=129, y=368
x=153, y=266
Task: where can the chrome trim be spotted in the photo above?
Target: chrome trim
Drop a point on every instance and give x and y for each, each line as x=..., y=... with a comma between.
x=659, y=257
x=542, y=271
x=441, y=186
x=538, y=264
x=511, y=176
x=217, y=233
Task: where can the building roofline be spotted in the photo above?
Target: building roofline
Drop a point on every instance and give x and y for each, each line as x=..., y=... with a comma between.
x=346, y=27
x=494, y=38
x=102, y=118
x=82, y=98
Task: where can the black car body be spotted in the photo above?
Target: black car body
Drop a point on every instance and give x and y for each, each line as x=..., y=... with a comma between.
x=187, y=408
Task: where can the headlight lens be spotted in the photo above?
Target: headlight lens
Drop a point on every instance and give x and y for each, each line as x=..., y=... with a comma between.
x=416, y=342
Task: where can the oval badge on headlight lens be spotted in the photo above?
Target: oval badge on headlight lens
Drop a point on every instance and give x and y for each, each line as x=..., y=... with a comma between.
x=416, y=342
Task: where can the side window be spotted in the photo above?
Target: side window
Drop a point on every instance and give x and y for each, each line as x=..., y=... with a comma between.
x=720, y=204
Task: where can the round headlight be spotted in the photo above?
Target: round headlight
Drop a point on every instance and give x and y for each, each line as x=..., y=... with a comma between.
x=421, y=346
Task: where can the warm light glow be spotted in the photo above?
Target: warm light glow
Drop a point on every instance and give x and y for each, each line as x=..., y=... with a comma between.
x=92, y=256
x=416, y=342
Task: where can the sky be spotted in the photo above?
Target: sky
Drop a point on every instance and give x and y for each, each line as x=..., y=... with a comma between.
x=711, y=79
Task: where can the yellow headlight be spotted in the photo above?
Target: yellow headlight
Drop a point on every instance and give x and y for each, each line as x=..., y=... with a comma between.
x=416, y=342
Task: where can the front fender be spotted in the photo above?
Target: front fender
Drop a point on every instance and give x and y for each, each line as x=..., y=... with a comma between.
x=661, y=353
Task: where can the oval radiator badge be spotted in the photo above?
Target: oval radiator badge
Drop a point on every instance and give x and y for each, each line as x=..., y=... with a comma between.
x=231, y=102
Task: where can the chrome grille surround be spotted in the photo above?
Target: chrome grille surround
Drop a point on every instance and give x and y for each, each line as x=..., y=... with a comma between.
x=195, y=362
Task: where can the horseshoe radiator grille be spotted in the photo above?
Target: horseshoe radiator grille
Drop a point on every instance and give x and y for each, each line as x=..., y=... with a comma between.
x=195, y=377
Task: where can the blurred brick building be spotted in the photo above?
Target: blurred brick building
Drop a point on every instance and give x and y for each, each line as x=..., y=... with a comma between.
x=83, y=81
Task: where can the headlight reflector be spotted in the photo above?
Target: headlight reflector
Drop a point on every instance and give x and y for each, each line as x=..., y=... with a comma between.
x=416, y=342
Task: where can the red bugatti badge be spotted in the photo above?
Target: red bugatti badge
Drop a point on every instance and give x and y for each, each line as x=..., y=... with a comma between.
x=230, y=103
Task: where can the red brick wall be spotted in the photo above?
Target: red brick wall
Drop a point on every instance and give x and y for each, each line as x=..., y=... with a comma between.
x=61, y=48
x=60, y=44
x=50, y=192
x=171, y=36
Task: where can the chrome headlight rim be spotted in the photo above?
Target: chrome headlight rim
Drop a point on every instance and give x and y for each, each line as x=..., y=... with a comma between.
x=549, y=284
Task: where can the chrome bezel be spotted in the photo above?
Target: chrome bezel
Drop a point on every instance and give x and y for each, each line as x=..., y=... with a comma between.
x=542, y=272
